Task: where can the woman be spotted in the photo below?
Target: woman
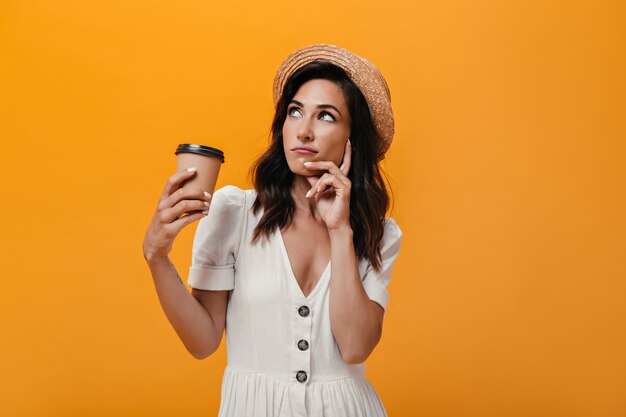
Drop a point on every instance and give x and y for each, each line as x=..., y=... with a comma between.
x=297, y=268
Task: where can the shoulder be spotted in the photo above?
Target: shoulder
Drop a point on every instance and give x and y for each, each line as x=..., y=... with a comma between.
x=229, y=195
x=392, y=229
x=226, y=212
x=392, y=234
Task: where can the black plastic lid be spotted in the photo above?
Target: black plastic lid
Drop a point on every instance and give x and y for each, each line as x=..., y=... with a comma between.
x=200, y=150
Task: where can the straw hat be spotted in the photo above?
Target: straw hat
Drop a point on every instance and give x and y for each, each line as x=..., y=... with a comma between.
x=361, y=71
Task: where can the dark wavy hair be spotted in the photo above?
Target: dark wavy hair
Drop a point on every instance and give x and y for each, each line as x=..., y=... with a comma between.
x=369, y=199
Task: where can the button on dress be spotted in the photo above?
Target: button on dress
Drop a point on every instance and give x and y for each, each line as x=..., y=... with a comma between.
x=282, y=358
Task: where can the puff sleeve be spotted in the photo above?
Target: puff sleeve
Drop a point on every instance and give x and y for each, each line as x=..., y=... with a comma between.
x=375, y=282
x=217, y=240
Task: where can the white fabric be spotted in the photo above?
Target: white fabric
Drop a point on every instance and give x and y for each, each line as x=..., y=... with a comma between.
x=263, y=325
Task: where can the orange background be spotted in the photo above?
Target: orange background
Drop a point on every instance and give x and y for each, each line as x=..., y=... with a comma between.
x=508, y=298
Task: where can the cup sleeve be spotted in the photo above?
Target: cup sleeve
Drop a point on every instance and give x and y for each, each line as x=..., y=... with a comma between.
x=217, y=240
x=375, y=282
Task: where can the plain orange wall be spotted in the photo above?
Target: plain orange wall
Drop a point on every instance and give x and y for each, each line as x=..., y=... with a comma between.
x=507, y=166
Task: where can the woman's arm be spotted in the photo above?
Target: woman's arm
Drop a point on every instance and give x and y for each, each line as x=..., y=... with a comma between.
x=198, y=319
x=356, y=321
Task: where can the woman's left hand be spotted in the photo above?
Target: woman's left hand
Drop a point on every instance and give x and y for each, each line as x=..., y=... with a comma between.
x=332, y=190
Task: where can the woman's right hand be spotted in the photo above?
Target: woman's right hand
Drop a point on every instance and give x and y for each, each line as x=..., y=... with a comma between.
x=169, y=220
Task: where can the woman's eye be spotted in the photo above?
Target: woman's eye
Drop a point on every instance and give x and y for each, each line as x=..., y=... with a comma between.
x=327, y=116
x=292, y=111
x=296, y=112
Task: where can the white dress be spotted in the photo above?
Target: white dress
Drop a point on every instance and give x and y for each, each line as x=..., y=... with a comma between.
x=282, y=357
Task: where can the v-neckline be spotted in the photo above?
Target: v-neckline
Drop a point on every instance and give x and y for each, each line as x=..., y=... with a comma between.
x=289, y=267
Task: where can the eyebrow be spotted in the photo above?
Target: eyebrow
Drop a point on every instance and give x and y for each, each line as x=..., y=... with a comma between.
x=319, y=106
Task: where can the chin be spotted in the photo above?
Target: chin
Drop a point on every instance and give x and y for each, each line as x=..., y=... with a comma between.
x=294, y=170
x=303, y=172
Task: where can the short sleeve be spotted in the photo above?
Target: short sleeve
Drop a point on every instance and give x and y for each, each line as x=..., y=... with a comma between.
x=375, y=282
x=217, y=240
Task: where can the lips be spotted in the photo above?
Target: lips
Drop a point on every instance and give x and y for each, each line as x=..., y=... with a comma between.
x=304, y=149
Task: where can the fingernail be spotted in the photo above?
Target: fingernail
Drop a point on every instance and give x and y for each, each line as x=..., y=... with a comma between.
x=207, y=195
x=206, y=204
x=192, y=169
x=349, y=143
x=306, y=164
x=205, y=212
x=308, y=193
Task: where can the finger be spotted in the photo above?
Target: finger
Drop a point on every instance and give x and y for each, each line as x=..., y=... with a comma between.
x=347, y=159
x=328, y=182
x=322, y=184
x=185, y=193
x=315, y=184
x=312, y=179
x=184, y=221
x=329, y=166
x=173, y=182
x=184, y=207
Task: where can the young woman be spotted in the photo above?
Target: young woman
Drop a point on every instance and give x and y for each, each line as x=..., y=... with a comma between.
x=297, y=268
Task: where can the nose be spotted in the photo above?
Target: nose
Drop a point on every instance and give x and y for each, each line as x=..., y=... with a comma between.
x=305, y=132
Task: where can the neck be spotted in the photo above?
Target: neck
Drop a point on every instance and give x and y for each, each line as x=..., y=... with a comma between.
x=304, y=205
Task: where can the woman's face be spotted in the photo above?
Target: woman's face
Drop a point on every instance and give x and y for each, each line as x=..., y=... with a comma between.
x=317, y=125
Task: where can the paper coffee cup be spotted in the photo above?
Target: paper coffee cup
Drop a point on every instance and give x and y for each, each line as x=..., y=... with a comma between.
x=207, y=161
